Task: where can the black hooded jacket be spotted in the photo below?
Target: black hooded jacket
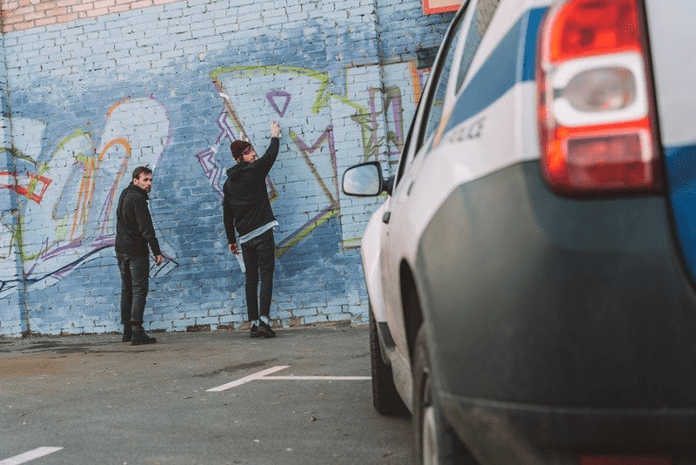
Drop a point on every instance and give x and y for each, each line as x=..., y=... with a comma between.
x=134, y=229
x=245, y=205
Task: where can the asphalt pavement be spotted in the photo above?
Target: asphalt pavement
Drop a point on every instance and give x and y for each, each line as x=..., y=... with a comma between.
x=195, y=398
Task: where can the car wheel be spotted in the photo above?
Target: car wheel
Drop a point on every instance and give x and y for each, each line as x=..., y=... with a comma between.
x=385, y=397
x=436, y=442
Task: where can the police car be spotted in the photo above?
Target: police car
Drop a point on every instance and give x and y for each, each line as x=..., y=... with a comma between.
x=532, y=271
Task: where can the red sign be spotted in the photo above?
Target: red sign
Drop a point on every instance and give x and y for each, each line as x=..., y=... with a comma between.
x=440, y=6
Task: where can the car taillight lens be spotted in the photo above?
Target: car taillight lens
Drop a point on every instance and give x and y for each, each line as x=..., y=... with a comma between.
x=596, y=110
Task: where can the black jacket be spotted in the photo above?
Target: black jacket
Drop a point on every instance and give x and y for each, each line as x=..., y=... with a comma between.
x=245, y=205
x=134, y=229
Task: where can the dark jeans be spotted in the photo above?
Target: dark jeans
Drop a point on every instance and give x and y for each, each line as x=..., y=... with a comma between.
x=134, y=286
x=259, y=261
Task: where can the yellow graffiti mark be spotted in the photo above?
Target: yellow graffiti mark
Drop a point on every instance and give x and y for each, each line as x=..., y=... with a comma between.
x=353, y=243
x=305, y=231
x=84, y=199
x=61, y=145
x=62, y=229
x=320, y=101
x=121, y=172
x=305, y=151
x=231, y=112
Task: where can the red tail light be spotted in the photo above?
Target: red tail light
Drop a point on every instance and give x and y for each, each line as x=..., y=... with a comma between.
x=596, y=123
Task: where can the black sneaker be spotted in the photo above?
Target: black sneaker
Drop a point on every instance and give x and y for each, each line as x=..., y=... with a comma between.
x=254, y=332
x=139, y=337
x=265, y=330
x=127, y=333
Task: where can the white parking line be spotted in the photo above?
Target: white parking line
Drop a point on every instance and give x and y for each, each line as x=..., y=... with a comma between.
x=261, y=375
x=246, y=379
x=29, y=456
x=319, y=378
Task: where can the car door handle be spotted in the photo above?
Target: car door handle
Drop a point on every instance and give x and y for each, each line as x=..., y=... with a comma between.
x=386, y=217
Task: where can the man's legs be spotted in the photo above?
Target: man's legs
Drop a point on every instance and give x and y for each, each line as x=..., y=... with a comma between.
x=259, y=259
x=266, y=257
x=251, y=279
x=137, y=268
x=126, y=295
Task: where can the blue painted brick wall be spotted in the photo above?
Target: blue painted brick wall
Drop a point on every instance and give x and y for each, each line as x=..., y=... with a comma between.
x=171, y=86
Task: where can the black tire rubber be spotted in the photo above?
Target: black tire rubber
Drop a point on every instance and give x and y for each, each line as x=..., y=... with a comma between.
x=385, y=397
x=444, y=446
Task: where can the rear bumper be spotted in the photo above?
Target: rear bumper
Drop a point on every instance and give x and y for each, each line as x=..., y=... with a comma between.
x=538, y=434
x=578, y=310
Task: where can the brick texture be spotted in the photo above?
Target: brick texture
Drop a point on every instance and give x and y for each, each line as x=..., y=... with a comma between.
x=94, y=89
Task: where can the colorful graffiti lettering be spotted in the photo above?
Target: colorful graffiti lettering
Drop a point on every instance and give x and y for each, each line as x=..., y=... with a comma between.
x=69, y=216
x=301, y=101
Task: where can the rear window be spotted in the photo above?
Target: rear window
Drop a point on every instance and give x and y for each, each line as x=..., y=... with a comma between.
x=440, y=92
x=480, y=21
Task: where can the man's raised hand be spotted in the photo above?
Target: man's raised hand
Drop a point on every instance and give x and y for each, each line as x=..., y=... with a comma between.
x=275, y=129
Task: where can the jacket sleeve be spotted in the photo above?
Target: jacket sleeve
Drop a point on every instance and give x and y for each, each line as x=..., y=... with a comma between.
x=142, y=216
x=266, y=162
x=228, y=218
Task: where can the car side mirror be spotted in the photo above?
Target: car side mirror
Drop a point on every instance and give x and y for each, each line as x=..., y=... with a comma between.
x=364, y=180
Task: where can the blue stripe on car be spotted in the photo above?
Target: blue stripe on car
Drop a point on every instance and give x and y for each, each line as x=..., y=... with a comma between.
x=681, y=181
x=501, y=70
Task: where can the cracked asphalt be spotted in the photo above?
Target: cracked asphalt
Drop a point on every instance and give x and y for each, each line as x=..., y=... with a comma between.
x=105, y=402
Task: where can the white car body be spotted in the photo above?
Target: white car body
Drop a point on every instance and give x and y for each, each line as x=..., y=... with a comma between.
x=545, y=316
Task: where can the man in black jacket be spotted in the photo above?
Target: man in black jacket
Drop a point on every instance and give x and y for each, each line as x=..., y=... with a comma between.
x=134, y=232
x=247, y=209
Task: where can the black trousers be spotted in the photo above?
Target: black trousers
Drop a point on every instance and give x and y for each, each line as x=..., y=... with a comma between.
x=259, y=261
x=134, y=287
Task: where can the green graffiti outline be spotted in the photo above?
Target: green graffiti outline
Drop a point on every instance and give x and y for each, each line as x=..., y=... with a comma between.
x=362, y=116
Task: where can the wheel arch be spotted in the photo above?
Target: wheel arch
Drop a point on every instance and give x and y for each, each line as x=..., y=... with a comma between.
x=411, y=306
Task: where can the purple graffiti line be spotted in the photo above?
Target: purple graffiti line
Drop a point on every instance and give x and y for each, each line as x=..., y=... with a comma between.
x=213, y=170
x=231, y=128
x=392, y=114
x=392, y=101
x=167, y=265
x=229, y=115
x=223, y=123
x=271, y=96
x=305, y=150
x=31, y=186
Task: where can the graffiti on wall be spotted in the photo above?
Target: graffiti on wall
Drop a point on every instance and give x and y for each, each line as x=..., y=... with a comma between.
x=370, y=121
x=67, y=199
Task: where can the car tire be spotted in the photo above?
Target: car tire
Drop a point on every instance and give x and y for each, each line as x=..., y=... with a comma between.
x=385, y=397
x=435, y=440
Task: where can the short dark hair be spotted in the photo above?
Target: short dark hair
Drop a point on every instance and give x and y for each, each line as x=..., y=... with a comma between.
x=140, y=170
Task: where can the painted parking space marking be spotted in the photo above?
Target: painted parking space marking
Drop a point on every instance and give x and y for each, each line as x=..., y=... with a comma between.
x=262, y=376
x=246, y=379
x=318, y=378
x=29, y=456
